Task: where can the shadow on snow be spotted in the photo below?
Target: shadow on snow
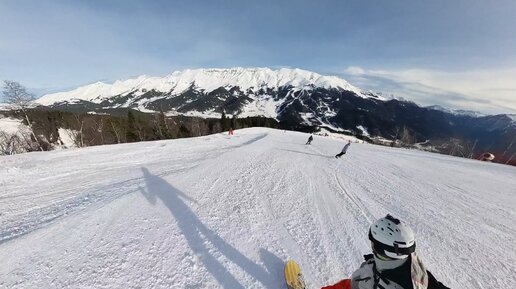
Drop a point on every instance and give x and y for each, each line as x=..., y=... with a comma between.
x=197, y=235
x=305, y=153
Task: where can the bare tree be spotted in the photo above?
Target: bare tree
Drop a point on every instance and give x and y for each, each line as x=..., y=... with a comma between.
x=473, y=149
x=8, y=143
x=100, y=129
x=198, y=127
x=510, y=159
x=16, y=95
x=406, y=137
x=116, y=130
x=79, y=136
x=509, y=146
x=15, y=143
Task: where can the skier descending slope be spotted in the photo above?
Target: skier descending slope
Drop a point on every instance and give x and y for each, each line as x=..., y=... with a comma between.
x=344, y=150
x=310, y=139
x=393, y=264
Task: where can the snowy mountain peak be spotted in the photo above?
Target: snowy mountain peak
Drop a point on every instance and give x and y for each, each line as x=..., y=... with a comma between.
x=456, y=111
x=206, y=80
x=246, y=78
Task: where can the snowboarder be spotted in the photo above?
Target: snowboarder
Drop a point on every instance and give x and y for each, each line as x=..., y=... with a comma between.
x=310, y=139
x=393, y=264
x=344, y=150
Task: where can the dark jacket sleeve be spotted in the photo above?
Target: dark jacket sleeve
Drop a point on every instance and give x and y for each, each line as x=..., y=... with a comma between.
x=433, y=283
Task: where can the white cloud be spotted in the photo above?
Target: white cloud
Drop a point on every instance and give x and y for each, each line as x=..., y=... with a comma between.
x=491, y=91
x=355, y=70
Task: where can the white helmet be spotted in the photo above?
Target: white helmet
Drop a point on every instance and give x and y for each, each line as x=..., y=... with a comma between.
x=392, y=238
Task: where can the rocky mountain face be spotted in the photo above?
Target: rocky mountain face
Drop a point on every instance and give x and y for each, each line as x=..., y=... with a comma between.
x=298, y=99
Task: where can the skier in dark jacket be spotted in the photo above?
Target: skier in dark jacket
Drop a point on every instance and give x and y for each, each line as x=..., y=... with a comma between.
x=394, y=263
x=344, y=150
x=310, y=139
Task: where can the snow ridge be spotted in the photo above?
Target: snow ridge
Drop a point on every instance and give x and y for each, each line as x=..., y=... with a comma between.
x=206, y=80
x=456, y=111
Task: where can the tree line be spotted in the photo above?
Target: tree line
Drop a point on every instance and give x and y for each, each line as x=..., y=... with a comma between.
x=86, y=129
x=44, y=127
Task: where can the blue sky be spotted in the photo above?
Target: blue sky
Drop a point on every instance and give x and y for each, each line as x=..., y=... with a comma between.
x=460, y=54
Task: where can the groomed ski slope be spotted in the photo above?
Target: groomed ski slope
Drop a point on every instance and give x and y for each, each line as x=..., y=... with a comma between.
x=226, y=212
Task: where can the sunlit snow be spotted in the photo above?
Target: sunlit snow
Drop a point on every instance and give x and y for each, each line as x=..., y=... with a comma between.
x=224, y=211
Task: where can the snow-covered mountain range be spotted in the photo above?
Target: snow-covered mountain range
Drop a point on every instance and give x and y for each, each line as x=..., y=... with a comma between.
x=181, y=88
x=205, y=80
x=296, y=98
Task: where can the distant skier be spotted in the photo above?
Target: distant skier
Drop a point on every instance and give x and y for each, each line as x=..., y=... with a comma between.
x=230, y=131
x=344, y=150
x=393, y=264
x=310, y=139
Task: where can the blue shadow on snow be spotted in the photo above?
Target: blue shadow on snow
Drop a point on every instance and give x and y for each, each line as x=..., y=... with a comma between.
x=197, y=234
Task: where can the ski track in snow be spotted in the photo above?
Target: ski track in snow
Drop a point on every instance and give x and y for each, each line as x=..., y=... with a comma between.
x=226, y=212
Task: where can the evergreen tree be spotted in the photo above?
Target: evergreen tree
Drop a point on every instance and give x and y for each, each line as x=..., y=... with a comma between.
x=183, y=131
x=234, y=122
x=224, y=121
x=161, y=127
x=132, y=129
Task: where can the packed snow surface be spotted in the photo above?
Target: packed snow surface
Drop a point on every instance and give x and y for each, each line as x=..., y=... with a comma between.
x=226, y=212
x=202, y=79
